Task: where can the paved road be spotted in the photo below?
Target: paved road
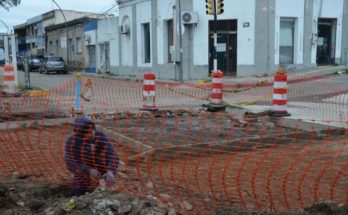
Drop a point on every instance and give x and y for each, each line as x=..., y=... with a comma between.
x=44, y=81
x=338, y=81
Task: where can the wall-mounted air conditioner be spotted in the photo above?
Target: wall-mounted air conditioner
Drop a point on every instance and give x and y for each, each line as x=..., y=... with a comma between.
x=189, y=17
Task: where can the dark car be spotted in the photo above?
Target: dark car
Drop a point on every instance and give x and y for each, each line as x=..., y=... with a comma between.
x=20, y=62
x=35, y=62
x=53, y=64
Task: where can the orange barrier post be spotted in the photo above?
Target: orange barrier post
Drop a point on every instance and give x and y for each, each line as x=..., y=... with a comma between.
x=280, y=97
x=9, y=79
x=216, y=97
x=149, y=92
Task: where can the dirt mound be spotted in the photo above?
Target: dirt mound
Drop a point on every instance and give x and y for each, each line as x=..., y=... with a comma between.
x=22, y=198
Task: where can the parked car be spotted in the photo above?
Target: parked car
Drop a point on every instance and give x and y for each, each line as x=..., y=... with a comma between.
x=20, y=62
x=35, y=62
x=53, y=64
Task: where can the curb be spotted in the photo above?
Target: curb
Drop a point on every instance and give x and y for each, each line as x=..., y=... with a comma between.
x=38, y=93
x=201, y=85
x=35, y=123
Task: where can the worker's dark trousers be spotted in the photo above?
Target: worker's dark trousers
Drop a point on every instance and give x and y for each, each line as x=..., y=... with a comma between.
x=83, y=183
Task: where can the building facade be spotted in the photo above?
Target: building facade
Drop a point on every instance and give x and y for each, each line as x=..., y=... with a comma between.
x=254, y=37
x=67, y=40
x=31, y=35
x=107, y=50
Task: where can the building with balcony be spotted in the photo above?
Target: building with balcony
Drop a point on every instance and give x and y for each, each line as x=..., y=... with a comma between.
x=31, y=35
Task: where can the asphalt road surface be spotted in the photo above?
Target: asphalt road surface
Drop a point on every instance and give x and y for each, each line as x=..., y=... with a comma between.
x=44, y=81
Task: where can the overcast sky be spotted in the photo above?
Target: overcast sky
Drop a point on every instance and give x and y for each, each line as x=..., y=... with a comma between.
x=31, y=8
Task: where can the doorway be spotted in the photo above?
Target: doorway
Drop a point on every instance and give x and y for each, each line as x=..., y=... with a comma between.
x=326, y=42
x=104, y=58
x=226, y=47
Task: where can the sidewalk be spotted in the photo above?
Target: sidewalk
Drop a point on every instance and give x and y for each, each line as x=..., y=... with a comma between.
x=293, y=77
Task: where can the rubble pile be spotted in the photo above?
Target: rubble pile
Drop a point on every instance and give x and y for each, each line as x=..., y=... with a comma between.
x=30, y=198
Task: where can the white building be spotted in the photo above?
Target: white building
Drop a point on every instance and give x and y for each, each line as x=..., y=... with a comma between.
x=254, y=37
x=107, y=45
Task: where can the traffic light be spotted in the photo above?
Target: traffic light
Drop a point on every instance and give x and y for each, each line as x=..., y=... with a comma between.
x=219, y=7
x=210, y=7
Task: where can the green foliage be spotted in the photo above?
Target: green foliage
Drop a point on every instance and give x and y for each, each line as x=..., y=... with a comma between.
x=9, y=3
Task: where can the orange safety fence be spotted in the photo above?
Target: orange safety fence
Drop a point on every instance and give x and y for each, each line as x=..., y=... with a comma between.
x=182, y=153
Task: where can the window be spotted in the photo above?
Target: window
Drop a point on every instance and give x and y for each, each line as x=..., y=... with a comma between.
x=71, y=46
x=55, y=59
x=50, y=47
x=147, y=43
x=286, y=44
x=78, y=45
x=57, y=47
x=170, y=39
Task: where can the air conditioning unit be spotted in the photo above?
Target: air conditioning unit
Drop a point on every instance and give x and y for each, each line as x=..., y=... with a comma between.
x=124, y=29
x=189, y=17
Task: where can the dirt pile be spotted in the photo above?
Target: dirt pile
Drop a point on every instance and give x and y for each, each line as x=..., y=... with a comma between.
x=21, y=198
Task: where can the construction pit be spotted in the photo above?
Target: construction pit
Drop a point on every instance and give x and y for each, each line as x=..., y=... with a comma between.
x=187, y=162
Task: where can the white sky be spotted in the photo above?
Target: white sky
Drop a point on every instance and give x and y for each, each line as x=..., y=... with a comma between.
x=31, y=8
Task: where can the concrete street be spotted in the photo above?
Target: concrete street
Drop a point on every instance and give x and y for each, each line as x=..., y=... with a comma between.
x=323, y=99
x=43, y=81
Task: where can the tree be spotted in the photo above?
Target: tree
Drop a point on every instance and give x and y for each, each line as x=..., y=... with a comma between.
x=9, y=3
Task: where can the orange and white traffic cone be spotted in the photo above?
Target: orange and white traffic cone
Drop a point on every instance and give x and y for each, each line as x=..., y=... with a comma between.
x=9, y=79
x=216, y=96
x=149, y=92
x=280, y=94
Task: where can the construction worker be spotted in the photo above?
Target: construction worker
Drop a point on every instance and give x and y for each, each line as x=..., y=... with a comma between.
x=90, y=157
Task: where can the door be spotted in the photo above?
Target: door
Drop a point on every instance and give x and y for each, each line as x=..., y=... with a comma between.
x=326, y=41
x=107, y=58
x=226, y=47
x=91, y=57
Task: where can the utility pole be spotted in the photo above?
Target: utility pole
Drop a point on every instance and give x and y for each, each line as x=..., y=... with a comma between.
x=6, y=47
x=181, y=74
x=67, y=34
x=215, y=8
x=14, y=57
x=215, y=38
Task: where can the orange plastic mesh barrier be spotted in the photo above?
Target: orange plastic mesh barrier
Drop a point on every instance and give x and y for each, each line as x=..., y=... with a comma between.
x=183, y=153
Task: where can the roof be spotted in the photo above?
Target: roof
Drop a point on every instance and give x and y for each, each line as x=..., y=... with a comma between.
x=44, y=16
x=74, y=22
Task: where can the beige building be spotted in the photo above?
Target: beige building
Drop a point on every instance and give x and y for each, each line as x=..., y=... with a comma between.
x=31, y=34
x=69, y=44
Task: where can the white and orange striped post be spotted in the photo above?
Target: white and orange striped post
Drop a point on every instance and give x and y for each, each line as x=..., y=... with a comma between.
x=217, y=94
x=149, y=92
x=280, y=94
x=217, y=88
x=9, y=79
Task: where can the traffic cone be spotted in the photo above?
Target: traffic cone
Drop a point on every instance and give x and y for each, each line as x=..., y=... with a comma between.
x=9, y=79
x=216, y=97
x=280, y=95
x=149, y=92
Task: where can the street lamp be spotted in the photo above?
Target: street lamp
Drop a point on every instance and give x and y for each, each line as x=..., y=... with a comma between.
x=67, y=34
x=8, y=29
x=6, y=45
